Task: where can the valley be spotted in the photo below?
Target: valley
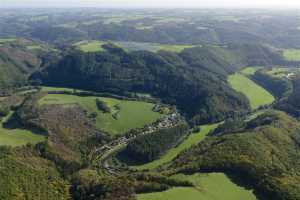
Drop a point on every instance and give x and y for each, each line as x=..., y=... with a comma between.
x=149, y=104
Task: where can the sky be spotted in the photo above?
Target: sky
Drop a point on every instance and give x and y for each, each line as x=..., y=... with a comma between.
x=154, y=3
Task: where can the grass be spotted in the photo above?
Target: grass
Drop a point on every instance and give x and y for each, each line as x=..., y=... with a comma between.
x=192, y=139
x=132, y=114
x=208, y=186
x=34, y=47
x=174, y=48
x=257, y=95
x=281, y=72
x=292, y=54
x=47, y=89
x=250, y=70
x=90, y=46
x=5, y=40
x=95, y=46
x=17, y=137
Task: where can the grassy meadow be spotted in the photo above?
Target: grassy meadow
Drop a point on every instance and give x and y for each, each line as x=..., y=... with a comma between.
x=173, y=48
x=96, y=46
x=208, y=186
x=130, y=114
x=257, y=95
x=17, y=137
x=248, y=71
x=6, y=40
x=90, y=46
x=291, y=54
x=192, y=139
x=281, y=72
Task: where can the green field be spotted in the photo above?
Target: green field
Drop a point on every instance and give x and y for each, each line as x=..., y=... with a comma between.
x=291, y=54
x=257, y=95
x=34, y=47
x=192, y=139
x=5, y=40
x=174, y=48
x=132, y=114
x=95, y=46
x=250, y=70
x=90, y=46
x=47, y=89
x=281, y=72
x=208, y=186
x=17, y=137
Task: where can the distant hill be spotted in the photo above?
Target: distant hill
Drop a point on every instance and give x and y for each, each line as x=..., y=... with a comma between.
x=19, y=58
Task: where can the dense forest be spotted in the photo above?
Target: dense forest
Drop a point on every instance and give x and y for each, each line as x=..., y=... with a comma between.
x=194, y=80
x=263, y=153
x=149, y=147
x=291, y=104
x=116, y=104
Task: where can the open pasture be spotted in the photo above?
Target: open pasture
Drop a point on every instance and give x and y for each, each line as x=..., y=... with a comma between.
x=124, y=115
x=192, y=139
x=90, y=46
x=208, y=186
x=17, y=137
x=248, y=71
x=256, y=94
x=291, y=54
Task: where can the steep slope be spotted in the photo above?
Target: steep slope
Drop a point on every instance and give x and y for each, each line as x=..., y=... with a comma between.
x=24, y=175
x=264, y=153
x=15, y=65
x=194, y=80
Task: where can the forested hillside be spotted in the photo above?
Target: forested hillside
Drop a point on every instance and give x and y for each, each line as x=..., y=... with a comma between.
x=15, y=64
x=292, y=103
x=263, y=153
x=25, y=175
x=195, y=80
x=149, y=104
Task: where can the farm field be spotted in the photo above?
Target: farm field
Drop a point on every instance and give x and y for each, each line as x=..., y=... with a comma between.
x=17, y=137
x=191, y=140
x=249, y=70
x=174, y=48
x=95, y=46
x=47, y=89
x=129, y=115
x=291, y=54
x=208, y=186
x=6, y=40
x=90, y=46
x=34, y=47
x=154, y=47
x=257, y=95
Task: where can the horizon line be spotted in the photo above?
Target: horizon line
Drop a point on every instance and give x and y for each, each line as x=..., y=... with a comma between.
x=153, y=7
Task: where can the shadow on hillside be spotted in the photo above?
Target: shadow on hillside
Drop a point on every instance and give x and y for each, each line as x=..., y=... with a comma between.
x=15, y=123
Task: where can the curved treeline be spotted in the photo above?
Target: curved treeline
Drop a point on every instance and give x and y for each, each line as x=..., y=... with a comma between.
x=291, y=104
x=264, y=153
x=277, y=86
x=149, y=147
x=194, y=80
